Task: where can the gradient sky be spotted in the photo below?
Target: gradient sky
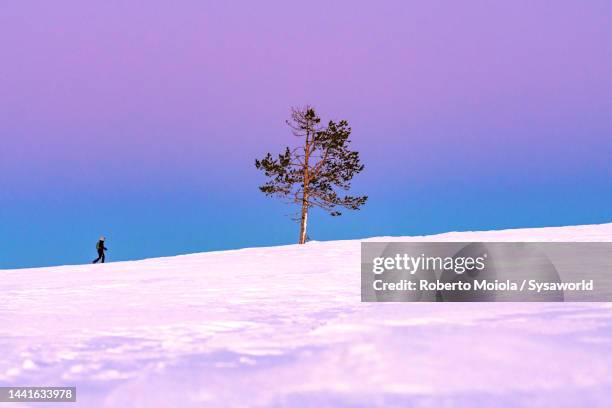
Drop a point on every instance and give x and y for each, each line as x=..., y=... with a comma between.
x=140, y=120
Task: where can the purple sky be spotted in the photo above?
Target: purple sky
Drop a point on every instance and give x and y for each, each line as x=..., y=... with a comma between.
x=141, y=120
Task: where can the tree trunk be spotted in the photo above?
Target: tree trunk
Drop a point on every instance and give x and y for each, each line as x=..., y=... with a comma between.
x=304, y=223
x=306, y=185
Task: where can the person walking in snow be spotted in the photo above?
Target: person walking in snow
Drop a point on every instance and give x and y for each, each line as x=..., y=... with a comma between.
x=101, y=248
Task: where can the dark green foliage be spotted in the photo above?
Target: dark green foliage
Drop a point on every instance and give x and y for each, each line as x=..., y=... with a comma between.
x=317, y=172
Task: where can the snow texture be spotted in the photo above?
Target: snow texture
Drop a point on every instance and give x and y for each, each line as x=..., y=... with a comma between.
x=284, y=327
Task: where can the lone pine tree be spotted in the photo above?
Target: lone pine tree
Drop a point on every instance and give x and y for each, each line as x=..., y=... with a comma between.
x=312, y=174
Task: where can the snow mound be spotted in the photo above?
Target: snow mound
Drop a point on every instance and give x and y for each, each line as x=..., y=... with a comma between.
x=284, y=326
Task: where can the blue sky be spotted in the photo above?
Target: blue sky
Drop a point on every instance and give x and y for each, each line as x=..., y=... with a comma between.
x=143, y=124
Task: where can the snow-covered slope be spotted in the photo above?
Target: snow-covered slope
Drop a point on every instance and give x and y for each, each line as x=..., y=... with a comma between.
x=284, y=326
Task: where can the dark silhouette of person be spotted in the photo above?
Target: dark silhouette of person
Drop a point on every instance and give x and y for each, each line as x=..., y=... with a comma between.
x=101, y=248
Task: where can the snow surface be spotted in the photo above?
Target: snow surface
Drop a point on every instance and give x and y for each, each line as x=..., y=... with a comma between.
x=284, y=326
